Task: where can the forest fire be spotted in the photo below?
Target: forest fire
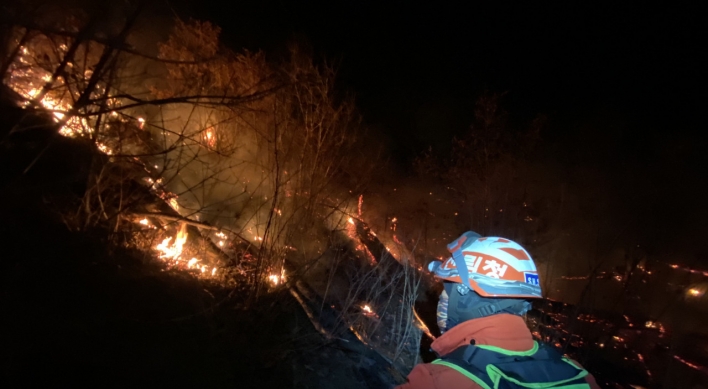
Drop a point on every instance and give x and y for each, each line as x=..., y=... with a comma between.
x=37, y=85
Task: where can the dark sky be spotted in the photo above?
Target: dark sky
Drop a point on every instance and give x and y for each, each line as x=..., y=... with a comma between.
x=416, y=67
x=622, y=85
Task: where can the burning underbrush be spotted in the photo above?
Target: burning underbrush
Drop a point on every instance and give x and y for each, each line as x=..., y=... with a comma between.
x=152, y=298
x=220, y=187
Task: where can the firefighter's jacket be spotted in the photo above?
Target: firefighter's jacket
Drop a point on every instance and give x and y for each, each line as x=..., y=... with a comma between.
x=505, y=334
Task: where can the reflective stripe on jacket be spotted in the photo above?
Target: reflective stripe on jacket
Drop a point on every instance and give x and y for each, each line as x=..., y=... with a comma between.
x=500, y=332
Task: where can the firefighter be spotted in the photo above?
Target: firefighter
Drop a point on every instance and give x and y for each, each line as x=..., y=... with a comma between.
x=485, y=342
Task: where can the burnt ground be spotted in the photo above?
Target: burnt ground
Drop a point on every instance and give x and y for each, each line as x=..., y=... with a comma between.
x=77, y=310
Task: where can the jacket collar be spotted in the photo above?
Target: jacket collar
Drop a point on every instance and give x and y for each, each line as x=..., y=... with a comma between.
x=502, y=330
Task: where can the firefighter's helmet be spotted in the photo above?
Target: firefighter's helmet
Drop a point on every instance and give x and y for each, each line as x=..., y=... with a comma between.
x=491, y=266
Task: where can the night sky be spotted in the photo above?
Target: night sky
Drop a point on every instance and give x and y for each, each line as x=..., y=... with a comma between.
x=416, y=68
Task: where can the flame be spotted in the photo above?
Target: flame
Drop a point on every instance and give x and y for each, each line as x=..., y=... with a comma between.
x=351, y=231
x=368, y=311
x=30, y=80
x=173, y=250
x=277, y=279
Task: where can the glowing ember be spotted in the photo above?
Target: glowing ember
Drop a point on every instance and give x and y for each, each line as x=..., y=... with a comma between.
x=689, y=364
x=351, y=221
x=145, y=222
x=421, y=325
x=695, y=292
x=192, y=262
x=174, y=204
x=210, y=138
x=277, y=279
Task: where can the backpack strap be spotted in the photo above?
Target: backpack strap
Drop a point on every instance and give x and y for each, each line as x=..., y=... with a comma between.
x=493, y=367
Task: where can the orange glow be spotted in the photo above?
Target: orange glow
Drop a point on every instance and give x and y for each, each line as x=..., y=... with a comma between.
x=695, y=292
x=276, y=279
x=687, y=363
x=174, y=204
x=210, y=137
